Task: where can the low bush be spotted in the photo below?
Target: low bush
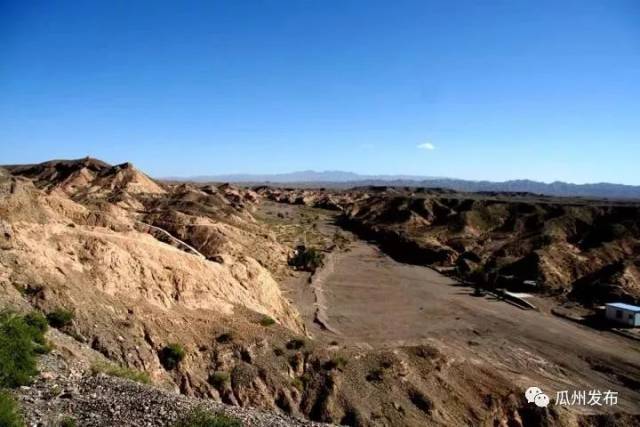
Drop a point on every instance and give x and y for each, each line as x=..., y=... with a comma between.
x=60, y=317
x=307, y=259
x=67, y=422
x=38, y=325
x=171, y=355
x=202, y=418
x=243, y=375
x=10, y=415
x=120, y=372
x=219, y=379
x=17, y=350
x=267, y=321
x=43, y=348
x=337, y=362
x=297, y=384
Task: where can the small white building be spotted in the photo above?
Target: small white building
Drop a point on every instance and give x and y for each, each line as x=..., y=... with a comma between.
x=625, y=314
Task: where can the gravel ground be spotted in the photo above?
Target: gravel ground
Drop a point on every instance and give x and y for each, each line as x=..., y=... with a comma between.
x=65, y=389
x=106, y=401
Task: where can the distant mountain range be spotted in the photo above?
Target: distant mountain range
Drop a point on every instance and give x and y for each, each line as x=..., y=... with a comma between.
x=349, y=179
x=307, y=176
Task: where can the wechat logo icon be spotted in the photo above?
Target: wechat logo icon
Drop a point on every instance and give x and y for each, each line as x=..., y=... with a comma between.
x=536, y=396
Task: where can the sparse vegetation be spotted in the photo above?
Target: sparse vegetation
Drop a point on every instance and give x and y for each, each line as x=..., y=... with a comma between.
x=60, y=317
x=267, y=321
x=171, y=355
x=120, y=372
x=200, y=417
x=298, y=384
x=306, y=379
x=219, y=379
x=67, y=422
x=243, y=374
x=38, y=324
x=296, y=344
x=10, y=415
x=18, y=347
x=307, y=259
x=278, y=351
x=337, y=362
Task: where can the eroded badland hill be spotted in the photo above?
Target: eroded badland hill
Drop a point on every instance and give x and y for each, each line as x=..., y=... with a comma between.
x=362, y=339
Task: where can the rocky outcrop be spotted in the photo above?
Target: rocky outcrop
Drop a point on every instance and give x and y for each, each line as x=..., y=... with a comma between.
x=88, y=177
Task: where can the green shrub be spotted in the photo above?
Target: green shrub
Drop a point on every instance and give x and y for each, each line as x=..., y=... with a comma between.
x=120, y=371
x=267, y=321
x=307, y=259
x=202, y=418
x=38, y=325
x=337, y=362
x=9, y=411
x=296, y=344
x=43, y=348
x=171, y=355
x=67, y=422
x=298, y=384
x=60, y=317
x=219, y=379
x=306, y=379
x=17, y=351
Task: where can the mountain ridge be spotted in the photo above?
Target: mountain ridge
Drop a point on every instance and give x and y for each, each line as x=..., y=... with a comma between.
x=342, y=179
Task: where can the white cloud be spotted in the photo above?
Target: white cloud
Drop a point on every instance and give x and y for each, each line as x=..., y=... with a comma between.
x=427, y=146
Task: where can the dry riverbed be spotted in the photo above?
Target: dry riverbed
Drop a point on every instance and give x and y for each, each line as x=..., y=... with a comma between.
x=370, y=300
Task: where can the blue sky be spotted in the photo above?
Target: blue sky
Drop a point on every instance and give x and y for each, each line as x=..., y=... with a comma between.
x=546, y=90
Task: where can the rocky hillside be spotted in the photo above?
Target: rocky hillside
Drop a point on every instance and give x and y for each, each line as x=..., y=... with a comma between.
x=77, y=383
x=587, y=252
